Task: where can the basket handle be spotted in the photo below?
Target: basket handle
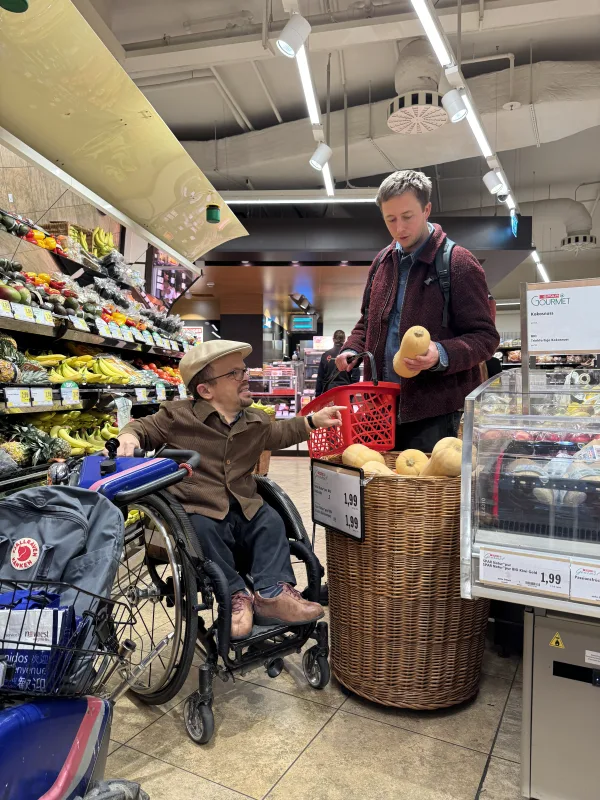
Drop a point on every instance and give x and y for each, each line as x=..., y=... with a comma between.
x=360, y=356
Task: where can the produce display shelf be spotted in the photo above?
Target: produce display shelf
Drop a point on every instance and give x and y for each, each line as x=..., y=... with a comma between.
x=19, y=326
x=29, y=476
x=86, y=392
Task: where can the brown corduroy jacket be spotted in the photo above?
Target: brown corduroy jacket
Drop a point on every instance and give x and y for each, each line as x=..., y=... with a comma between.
x=228, y=453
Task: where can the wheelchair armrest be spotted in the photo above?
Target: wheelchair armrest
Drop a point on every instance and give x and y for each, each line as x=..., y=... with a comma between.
x=274, y=495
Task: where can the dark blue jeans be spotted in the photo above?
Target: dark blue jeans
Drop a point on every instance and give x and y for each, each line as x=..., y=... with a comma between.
x=257, y=548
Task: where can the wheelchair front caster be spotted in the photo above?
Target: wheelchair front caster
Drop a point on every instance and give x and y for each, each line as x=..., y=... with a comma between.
x=199, y=720
x=316, y=668
x=274, y=667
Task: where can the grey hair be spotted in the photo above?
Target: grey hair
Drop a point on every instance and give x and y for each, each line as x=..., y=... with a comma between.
x=406, y=180
x=204, y=376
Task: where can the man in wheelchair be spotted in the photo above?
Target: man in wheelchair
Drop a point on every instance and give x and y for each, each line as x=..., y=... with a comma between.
x=226, y=511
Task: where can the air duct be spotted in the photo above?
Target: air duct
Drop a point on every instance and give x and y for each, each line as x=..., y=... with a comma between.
x=418, y=107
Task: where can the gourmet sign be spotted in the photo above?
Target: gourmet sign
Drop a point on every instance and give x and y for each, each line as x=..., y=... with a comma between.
x=563, y=320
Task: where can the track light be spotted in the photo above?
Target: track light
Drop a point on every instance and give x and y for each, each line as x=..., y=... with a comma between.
x=535, y=256
x=430, y=26
x=321, y=156
x=476, y=127
x=510, y=202
x=454, y=105
x=494, y=181
x=329, y=187
x=293, y=36
x=307, y=86
x=543, y=273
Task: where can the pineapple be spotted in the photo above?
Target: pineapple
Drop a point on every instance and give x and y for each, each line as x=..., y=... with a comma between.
x=8, y=347
x=17, y=452
x=61, y=449
x=8, y=372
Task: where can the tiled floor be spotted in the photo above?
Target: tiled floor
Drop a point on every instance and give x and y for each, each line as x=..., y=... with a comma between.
x=280, y=739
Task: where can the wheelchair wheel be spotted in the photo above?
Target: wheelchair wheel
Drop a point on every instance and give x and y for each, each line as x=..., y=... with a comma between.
x=316, y=668
x=199, y=720
x=156, y=579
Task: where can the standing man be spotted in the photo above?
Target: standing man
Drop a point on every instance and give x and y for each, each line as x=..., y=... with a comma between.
x=329, y=375
x=404, y=289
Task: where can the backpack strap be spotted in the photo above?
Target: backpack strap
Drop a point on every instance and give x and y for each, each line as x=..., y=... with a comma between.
x=378, y=261
x=442, y=262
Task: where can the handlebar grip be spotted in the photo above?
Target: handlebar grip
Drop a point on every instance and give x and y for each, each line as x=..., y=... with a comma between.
x=190, y=457
x=139, y=453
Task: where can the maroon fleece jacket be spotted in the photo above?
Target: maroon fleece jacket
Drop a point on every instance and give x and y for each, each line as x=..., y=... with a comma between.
x=470, y=338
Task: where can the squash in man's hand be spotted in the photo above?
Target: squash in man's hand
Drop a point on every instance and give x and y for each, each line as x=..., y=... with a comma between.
x=411, y=462
x=359, y=454
x=446, y=459
x=415, y=342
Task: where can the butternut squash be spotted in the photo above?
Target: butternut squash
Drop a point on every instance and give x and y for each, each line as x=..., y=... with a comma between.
x=415, y=342
x=411, y=462
x=375, y=468
x=446, y=460
x=358, y=454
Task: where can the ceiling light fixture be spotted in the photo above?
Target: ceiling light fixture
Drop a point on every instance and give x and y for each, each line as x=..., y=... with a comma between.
x=478, y=132
x=542, y=270
x=293, y=36
x=307, y=86
x=454, y=105
x=494, y=182
x=329, y=187
x=510, y=202
x=536, y=257
x=430, y=25
x=321, y=156
x=301, y=201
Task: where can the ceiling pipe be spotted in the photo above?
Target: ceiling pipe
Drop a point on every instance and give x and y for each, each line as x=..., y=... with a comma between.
x=481, y=13
x=221, y=83
x=267, y=92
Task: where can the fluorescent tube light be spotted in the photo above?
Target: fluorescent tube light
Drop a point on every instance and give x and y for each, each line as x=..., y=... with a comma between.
x=430, y=25
x=476, y=127
x=510, y=202
x=303, y=201
x=543, y=273
x=535, y=256
x=307, y=85
x=329, y=188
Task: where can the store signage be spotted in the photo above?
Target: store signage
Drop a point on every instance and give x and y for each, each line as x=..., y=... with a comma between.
x=195, y=333
x=69, y=392
x=585, y=582
x=17, y=397
x=161, y=393
x=338, y=498
x=182, y=391
x=5, y=309
x=141, y=395
x=563, y=318
x=519, y=569
x=43, y=317
x=41, y=397
x=79, y=324
x=24, y=313
x=102, y=327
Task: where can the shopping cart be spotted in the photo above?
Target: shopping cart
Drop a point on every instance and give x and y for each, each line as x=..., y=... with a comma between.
x=369, y=418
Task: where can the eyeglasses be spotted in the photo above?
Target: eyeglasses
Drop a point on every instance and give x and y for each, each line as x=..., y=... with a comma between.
x=237, y=374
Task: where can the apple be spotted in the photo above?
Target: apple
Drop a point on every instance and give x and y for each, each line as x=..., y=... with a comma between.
x=549, y=436
x=580, y=438
x=522, y=436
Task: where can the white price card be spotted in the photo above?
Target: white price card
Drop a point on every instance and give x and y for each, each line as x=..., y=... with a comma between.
x=41, y=396
x=161, y=393
x=174, y=345
x=70, y=395
x=561, y=319
x=185, y=346
x=182, y=391
x=79, y=324
x=17, y=397
x=137, y=335
x=519, y=569
x=585, y=582
x=141, y=395
x=43, y=317
x=126, y=333
x=148, y=338
x=157, y=339
x=102, y=327
x=5, y=309
x=115, y=331
x=337, y=498
x=22, y=312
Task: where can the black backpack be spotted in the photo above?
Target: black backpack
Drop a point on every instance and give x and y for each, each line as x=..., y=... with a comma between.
x=442, y=261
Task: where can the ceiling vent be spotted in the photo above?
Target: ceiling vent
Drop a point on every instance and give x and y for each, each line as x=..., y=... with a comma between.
x=418, y=106
x=575, y=242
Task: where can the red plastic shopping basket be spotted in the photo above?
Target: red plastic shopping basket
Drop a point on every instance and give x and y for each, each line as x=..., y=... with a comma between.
x=369, y=418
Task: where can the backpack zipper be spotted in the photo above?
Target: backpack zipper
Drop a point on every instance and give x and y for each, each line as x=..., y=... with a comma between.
x=80, y=520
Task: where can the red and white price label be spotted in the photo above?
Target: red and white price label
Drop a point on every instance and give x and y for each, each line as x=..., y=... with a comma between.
x=520, y=569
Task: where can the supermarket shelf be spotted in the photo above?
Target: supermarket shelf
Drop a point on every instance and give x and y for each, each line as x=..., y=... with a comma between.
x=18, y=326
x=87, y=392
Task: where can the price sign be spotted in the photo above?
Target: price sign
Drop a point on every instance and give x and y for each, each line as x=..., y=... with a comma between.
x=43, y=317
x=123, y=405
x=185, y=346
x=161, y=393
x=585, y=582
x=137, y=335
x=148, y=338
x=157, y=339
x=126, y=333
x=17, y=397
x=182, y=391
x=115, y=331
x=5, y=309
x=79, y=324
x=519, y=569
x=41, y=396
x=337, y=498
x=141, y=395
x=22, y=312
x=102, y=327
x=69, y=392
x=174, y=346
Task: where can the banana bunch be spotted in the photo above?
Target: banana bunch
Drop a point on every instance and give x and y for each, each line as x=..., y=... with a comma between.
x=74, y=369
x=107, y=371
x=79, y=236
x=133, y=517
x=49, y=360
x=91, y=419
x=84, y=441
x=102, y=243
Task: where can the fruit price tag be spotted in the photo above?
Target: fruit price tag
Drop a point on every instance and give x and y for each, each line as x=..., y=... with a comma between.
x=182, y=391
x=5, y=309
x=115, y=331
x=17, y=397
x=126, y=333
x=185, y=346
x=43, y=317
x=585, y=582
x=137, y=335
x=79, y=324
x=161, y=393
x=41, y=397
x=102, y=327
x=157, y=339
x=141, y=395
x=148, y=338
x=22, y=312
x=338, y=498
x=519, y=569
x=69, y=392
x=174, y=346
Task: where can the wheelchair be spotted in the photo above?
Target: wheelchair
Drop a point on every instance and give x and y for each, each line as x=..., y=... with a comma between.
x=171, y=588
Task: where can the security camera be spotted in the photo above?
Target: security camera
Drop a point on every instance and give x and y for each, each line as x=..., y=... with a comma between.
x=502, y=198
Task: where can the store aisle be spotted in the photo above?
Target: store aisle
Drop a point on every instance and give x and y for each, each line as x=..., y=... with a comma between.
x=282, y=740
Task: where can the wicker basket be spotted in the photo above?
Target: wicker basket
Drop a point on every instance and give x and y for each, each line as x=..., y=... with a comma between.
x=400, y=633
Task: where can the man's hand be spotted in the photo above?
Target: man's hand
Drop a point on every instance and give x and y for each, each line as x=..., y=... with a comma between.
x=329, y=417
x=429, y=360
x=342, y=363
x=127, y=444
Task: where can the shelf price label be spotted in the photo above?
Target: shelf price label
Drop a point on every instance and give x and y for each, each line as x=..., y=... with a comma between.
x=16, y=397
x=126, y=333
x=337, y=498
x=141, y=395
x=24, y=313
x=137, y=335
x=42, y=396
x=531, y=572
x=161, y=393
x=174, y=345
x=102, y=327
x=148, y=338
x=69, y=392
x=79, y=324
x=185, y=346
x=115, y=331
x=182, y=391
x=5, y=309
x=157, y=339
x=43, y=317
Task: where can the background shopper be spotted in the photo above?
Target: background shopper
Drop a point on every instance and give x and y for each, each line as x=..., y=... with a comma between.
x=403, y=290
x=329, y=375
